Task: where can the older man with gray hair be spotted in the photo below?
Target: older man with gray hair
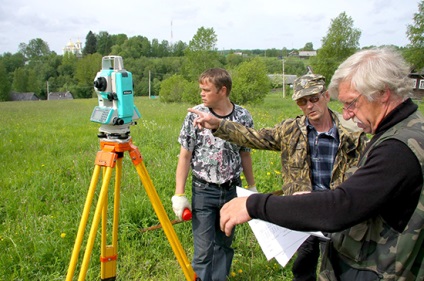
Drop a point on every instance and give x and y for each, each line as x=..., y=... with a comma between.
x=376, y=217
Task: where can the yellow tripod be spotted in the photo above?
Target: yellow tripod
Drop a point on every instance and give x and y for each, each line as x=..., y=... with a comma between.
x=109, y=157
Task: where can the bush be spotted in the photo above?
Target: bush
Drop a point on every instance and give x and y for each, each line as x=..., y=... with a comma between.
x=250, y=83
x=172, y=89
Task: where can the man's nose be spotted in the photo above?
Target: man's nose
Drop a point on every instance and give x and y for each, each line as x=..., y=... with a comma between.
x=309, y=104
x=348, y=114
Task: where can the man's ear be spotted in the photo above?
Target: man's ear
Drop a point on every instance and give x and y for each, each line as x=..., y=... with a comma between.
x=385, y=95
x=223, y=90
x=327, y=95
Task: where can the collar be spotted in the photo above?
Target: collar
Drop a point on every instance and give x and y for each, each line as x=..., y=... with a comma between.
x=332, y=132
x=401, y=112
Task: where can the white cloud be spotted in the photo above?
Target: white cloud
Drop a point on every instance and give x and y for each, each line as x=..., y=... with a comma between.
x=239, y=24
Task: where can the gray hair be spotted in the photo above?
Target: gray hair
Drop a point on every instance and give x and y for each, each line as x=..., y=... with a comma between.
x=372, y=71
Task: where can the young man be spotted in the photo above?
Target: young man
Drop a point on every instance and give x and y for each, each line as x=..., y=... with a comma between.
x=376, y=217
x=216, y=168
x=316, y=152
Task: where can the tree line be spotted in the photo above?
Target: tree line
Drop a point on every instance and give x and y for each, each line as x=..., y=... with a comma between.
x=171, y=70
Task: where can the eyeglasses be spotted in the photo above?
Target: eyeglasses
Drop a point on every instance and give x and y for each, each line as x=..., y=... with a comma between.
x=312, y=99
x=351, y=106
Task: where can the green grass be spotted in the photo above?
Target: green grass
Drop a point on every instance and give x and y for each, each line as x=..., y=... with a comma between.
x=47, y=153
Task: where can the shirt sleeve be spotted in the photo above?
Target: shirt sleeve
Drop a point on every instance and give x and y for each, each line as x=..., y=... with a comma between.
x=389, y=184
x=266, y=138
x=187, y=137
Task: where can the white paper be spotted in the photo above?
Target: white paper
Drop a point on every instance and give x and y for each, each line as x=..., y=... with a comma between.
x=276, y=242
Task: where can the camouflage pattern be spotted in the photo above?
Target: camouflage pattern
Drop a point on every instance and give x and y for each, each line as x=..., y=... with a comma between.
x=306, y=85
x=290, y=137
x=214, y=160
x=373, y=246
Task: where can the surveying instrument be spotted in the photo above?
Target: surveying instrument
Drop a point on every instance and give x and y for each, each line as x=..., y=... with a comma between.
x=116, y=112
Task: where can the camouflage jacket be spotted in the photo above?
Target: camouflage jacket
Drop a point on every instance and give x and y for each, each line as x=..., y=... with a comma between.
x=290, y=137
x=373, y=246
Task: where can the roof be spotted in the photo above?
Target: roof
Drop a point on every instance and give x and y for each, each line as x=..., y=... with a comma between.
x=288, y=79
x=60, y=96
x=23, y=96
x=307, y=53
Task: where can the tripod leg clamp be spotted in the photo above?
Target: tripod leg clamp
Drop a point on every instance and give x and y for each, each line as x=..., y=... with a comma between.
x=108, y=259
x=108, y=263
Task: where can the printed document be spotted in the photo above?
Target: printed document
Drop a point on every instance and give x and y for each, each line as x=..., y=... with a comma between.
x=276, y=242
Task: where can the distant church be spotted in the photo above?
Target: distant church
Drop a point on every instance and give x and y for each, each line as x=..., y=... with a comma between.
x=72, y=48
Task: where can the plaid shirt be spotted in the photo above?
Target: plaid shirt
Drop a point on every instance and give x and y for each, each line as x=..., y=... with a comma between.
x=291, y=138
x=323, y=148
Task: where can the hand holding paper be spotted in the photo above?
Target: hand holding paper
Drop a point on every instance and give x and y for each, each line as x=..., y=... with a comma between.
x=233, y=213
x=276, y=242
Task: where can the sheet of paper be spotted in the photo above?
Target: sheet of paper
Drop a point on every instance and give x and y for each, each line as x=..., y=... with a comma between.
x=276, y=242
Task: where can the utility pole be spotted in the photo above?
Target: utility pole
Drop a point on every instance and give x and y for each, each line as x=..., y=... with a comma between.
x=149, y=84
x=284, y=82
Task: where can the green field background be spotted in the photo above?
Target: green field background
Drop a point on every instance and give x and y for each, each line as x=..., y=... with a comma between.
x=47, y=153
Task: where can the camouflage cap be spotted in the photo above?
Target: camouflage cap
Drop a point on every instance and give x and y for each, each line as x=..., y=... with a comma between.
x=307, y=85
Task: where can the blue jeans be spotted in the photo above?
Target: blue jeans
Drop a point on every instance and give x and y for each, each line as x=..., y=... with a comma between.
x=213, y=254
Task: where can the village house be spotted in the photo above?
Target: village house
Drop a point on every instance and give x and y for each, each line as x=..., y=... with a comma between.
x=60, y=96
x=14, y=96
x=417, y=80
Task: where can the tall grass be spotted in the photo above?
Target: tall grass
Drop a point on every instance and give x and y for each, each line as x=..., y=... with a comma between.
x=47, y=153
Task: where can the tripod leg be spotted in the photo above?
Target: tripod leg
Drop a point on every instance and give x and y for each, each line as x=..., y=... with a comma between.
x=83, y=223
x=109, y=255
x=165, y=222
x=95, y=223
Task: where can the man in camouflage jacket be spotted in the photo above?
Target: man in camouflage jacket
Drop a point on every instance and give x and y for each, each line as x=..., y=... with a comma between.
x=291, y=138
x=317, y=151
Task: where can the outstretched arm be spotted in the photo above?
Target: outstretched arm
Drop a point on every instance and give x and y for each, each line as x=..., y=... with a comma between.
x=205, y=120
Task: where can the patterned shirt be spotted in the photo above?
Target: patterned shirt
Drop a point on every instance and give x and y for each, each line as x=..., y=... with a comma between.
x=214, y=160
x=323, y=148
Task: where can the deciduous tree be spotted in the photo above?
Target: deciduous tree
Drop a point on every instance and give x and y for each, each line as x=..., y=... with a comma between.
x=415, y=32
x=104, y=43
x=4, y=83
x=341, y=41
x=35, y=49
x=201, y=54
x=135, y=47
x=308, y=47
x=12, y=61
x=85, y=73
x=20, y=81
x=178, y=49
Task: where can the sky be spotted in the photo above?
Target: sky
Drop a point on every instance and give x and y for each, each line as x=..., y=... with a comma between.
x=238, y=24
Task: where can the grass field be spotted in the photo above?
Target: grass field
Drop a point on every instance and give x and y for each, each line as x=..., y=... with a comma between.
x=47, y=153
